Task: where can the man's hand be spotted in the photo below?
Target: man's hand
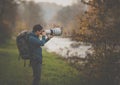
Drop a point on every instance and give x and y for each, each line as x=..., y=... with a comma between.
x=50, y=36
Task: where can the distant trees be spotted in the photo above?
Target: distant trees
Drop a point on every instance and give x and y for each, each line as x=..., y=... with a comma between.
x=100, y=26
x=66, y=16
x=15, y=17
x=29, y=14
x=8, y=12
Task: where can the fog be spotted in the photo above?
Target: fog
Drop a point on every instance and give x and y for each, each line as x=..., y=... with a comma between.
x=49, y=11
x=59, y=14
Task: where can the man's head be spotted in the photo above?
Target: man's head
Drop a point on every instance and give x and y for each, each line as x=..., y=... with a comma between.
x=38, y=29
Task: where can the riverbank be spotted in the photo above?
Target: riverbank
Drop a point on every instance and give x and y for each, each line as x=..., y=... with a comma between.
x=55, y=71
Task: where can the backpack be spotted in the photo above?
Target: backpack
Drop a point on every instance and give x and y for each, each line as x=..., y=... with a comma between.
x=23, y=45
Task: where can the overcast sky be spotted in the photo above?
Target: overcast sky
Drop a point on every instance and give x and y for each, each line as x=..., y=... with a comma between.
x=59, y=2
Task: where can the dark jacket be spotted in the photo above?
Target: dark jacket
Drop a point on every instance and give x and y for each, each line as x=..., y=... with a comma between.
x=35, y=46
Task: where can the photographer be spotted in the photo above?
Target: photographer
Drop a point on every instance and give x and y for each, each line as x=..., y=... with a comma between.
x=36, y=51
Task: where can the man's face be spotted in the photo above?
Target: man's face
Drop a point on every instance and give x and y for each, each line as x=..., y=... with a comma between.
x=39, y=32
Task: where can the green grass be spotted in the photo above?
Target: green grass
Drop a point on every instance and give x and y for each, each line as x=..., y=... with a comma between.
x=55, y=71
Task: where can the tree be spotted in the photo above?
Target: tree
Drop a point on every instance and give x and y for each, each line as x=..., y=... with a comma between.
x=7, y=19
x=100, y=27
x=66, y=16
x=31, y=13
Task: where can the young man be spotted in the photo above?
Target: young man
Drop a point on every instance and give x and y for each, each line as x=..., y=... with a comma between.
x=36, y=51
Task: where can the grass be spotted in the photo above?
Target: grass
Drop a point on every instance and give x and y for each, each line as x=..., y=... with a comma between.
x=55, y=71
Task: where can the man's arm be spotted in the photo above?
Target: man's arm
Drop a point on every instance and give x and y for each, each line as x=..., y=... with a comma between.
x=37, y=41
x=44, y=36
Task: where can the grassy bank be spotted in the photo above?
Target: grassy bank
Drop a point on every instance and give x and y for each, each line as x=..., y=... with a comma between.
x=55, y=71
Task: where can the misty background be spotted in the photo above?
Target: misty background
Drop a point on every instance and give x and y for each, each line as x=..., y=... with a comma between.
x=91, y=29
x=49, y=14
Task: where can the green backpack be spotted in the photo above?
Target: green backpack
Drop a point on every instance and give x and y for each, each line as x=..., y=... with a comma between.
x=23, y=45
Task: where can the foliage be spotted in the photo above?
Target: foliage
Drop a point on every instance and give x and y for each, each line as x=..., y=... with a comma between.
x=30, y=13
x=7, y=19
x=100, y=27
x=66, y=16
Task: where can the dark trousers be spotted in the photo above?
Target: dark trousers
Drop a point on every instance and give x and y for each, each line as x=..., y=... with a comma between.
x=36, y=67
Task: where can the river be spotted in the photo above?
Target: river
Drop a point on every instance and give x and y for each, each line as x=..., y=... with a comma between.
x=67, y=48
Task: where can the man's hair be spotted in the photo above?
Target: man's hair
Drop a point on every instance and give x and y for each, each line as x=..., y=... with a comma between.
x=37, y=27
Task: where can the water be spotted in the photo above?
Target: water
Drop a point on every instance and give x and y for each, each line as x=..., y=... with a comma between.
x=67, y=48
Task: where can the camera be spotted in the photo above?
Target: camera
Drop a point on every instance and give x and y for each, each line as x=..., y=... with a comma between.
x=54, y=31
